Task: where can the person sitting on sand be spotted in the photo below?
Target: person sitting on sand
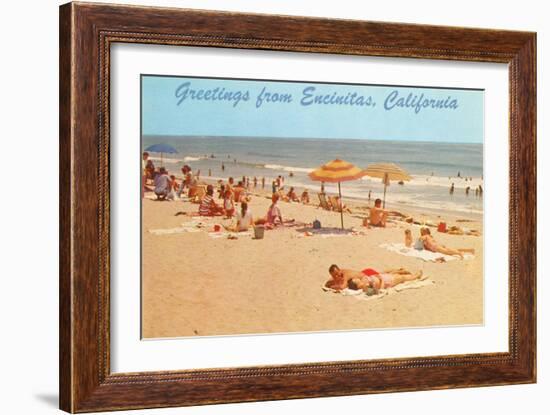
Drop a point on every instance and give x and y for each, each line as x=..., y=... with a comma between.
x=228, y=204
x=243, y=220
x=378, y=216
x=163, y=184
x=273, y=217
x=431, y=245
x=207, y=206
x=368, y=279
x=304, y=198
x=339, y=205
x=291, y=196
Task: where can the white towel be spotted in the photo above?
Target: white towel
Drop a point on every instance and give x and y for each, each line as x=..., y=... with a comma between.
x=217, y=235
x=172, y=231
x=423, y=254
x=361, y=295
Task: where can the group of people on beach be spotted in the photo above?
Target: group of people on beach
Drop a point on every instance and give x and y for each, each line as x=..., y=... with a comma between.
x=165, y=186
x=243, y=217
x=371, y=281
x=478, y=190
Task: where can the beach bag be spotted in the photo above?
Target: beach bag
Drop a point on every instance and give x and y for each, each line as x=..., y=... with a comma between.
x=442, y=227
x=419, y=245
x=316, y=224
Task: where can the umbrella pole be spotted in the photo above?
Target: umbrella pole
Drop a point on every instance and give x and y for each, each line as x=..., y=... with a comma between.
x=384, y=204
x=341, y=205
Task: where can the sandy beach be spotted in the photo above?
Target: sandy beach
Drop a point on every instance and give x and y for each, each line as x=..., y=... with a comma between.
x=194, y=284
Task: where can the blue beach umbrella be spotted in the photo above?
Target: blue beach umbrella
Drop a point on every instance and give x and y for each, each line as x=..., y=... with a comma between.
x=161, y=148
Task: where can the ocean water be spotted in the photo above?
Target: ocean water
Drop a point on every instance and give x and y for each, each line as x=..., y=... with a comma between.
x=433, y=166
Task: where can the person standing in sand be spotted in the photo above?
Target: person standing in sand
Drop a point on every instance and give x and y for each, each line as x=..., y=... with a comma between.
x=144, y=187
x=228, y=204
x=431, y=245
x=378, y=216
x=408, y=238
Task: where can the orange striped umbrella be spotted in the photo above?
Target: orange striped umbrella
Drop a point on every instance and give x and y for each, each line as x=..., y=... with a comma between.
x=387, y=172
x=337, y=171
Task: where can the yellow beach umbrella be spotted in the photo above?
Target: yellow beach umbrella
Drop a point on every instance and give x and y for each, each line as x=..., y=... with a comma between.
x=387, y=172
x=337, y=171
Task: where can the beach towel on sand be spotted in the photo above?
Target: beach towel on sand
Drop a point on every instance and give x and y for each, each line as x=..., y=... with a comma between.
x=227, y=234
x=192, y=226
x=424, y=254
x=361, y=295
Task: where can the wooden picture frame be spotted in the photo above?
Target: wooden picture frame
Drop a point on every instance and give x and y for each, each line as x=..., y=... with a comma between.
x=86, y=33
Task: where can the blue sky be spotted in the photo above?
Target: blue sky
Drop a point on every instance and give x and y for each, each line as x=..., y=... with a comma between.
x=167, y=110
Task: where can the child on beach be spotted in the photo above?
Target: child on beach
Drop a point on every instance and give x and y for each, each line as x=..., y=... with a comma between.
x=408, y=238
x=305, y=197
x=228, y=204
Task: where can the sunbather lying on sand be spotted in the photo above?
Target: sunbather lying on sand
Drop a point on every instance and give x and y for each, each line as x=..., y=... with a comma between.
x=368, y=278
x=431, y=245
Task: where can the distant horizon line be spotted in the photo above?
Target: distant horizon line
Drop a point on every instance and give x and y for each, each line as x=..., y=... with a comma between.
x=309, y=138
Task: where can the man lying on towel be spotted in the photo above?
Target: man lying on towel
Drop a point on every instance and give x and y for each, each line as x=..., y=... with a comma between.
x=368, y=280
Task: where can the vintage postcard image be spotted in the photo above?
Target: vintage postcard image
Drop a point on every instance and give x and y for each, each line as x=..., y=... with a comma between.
x=272, y=206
